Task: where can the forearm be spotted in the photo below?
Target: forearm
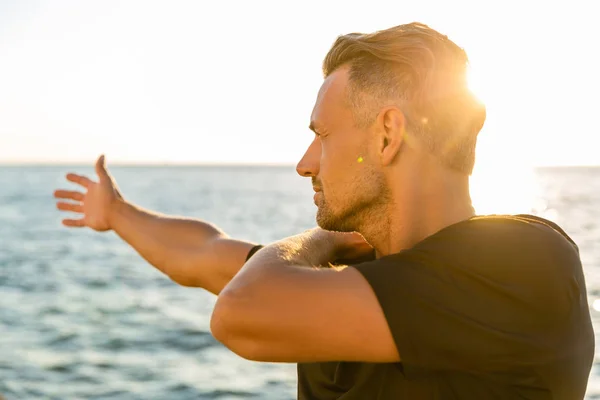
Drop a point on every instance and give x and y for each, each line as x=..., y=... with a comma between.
x=306, y=249
x=301, y=251
x=190, y=251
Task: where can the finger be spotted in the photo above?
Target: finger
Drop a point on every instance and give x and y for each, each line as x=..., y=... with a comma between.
x=80, y=179
x=61, y=205
x=74, y=223
x=69, y=194
x=101, y=167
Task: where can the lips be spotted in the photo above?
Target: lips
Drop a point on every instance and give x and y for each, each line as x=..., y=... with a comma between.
x=318, y=194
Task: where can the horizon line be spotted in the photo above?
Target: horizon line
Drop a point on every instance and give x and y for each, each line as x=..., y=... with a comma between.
x=204, y=164
x=143, y=164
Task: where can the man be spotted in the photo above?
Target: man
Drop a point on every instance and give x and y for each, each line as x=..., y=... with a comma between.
x=454, y=306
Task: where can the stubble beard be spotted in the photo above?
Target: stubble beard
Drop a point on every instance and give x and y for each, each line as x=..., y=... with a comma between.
x=357, y=217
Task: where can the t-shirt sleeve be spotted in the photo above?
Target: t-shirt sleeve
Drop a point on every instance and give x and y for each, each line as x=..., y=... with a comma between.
x=254, y=250
x=471, y=309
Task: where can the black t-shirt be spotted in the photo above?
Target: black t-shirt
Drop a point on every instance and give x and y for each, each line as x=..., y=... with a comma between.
x=489, y=308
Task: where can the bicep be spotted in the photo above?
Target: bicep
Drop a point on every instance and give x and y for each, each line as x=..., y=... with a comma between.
x=307, y=315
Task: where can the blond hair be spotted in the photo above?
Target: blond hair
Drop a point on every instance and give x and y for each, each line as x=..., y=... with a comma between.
x=425, y=74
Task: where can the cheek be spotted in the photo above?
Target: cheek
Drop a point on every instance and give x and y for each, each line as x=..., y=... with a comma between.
x=339, y=168
x=328, y=175
x=339, y=151
x=331, y=167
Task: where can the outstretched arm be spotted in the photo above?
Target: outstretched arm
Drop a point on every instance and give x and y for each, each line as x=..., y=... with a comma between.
x=191, y=252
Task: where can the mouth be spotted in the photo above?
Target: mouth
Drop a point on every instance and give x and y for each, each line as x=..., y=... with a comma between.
x=317, y=194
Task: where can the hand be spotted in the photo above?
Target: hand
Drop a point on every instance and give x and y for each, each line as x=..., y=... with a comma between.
x=96, y=204
x=352, y=246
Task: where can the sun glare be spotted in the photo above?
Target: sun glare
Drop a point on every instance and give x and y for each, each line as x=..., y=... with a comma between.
x=499, y=189
x=476, y=83
x=502, y=182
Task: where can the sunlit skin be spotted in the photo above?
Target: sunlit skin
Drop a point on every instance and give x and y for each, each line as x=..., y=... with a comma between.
x=279, y=310
x=346, y=190
x=370, y=179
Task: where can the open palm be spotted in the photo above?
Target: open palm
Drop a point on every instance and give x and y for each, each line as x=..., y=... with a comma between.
x=95, y=204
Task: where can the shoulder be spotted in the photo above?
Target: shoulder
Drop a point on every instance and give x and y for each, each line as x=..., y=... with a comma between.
x=520, y=226
x=522, y=239
x=502, y=230
x=499, y=247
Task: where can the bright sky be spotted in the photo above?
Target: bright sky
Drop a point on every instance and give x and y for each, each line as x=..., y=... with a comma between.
x=235, y=81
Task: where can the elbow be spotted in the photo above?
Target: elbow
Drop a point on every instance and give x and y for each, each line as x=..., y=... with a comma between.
x=231, y=325
x=221, y=319
x=183, y=281
x=180, y=279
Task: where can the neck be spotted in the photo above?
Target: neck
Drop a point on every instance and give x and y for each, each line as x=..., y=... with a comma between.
x=424, y=200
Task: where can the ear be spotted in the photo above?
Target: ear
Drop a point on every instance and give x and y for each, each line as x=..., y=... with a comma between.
x=393, y=125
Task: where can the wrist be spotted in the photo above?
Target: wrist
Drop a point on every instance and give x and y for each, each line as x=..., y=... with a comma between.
x=115, y=211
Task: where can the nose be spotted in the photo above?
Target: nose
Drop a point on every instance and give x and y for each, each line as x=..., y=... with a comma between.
x=308, y=165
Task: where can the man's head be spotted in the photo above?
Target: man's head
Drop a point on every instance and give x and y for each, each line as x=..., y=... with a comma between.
x=386, y=95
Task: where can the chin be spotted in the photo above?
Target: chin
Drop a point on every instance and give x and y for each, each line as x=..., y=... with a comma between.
x=330, y=222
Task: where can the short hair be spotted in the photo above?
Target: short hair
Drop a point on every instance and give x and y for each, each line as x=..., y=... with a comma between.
x=425, y=74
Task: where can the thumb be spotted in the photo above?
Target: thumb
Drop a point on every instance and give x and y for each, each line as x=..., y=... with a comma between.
x=101, y=168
